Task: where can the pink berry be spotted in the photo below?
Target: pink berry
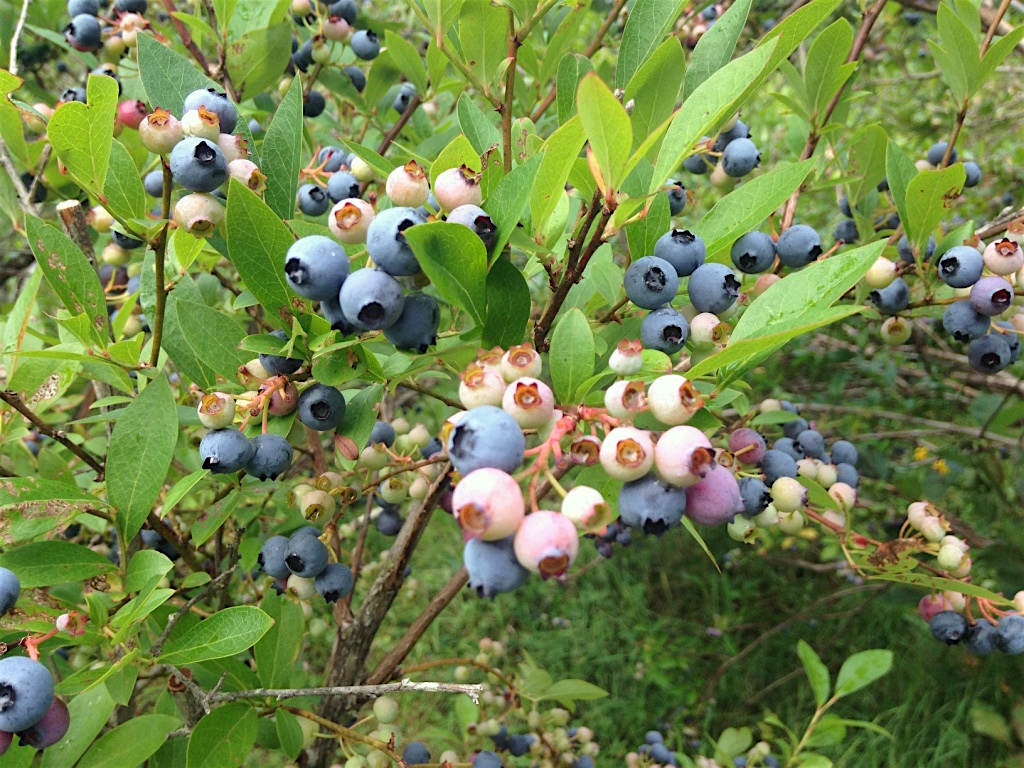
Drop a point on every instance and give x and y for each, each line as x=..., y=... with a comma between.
x=457, y=186
x=481, y=385
x=407, y=185
x=673, y=399
x=931, y=605
x=249, y=174
x=160, y=132
x=627, y=453
x=284, y=400
x=529, y=401
x=521, y=360
x=132, y=113
x=683, y=456
x=233, y=147
x=706, y=330
x=547, y=543
x=747, y=445
x=488, y=505
x=337, y=29
x=349, y=219
x=715, y=499
x=586, y=507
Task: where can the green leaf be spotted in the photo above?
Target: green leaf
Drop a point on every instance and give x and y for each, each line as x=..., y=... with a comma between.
x=654, y=88
x=715, y=47
x=282, y=154
x=925, y=581
x=407, y=60
x=202, y=341
x=748, y=205
x=211, y=519
x=181, y=489
x=823, y=71
x=507, y=201
x=571, y=69
x=641, y=235
x=899, y=170
x=483, y=32
x=477, y=127
x=224, y=738
x=865, y=161
x=929, y=195
x=817, y=672
x=81, y=134
x=571, y=359
x=558, y=155
x=570, y=690
x=131, y=743
x=732, y=743
x=508, y=305
x=695, y=535
x=278, y=650
x=226, y=633
x=32, y=506
x=141, y=449
x=958, y=56
x=862, y=669
x=69, y=273
x=646, y=25
x=145, y=565
x=258, y=59
x=126, y=197
x=607, y=128
x=45, y=563
x=454, y=259
x=998, y=52
x=380, y=165
x=257, y=243
x=458, y=152
x=167, y=76
x=289, y=733
x=89, y=713
x=814, y=760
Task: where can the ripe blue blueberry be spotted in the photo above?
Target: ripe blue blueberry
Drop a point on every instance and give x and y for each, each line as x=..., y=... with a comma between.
x=271, y=557
x=405, y=95
x=682, y=249
x=382, y=432
x=332, y=159
x=74, y=94
x=739, y=130
x=776, y=464
x=277, y=365
x=416, y=753
x=487, y=759
x=198, y=164
x=963, y=322
x=811, y=444
x=991, y=295
x=794, y=427
x=665, y=330
x=676, y=196
x=478, y=220
x=989, y=353
x=753, y=253
x=651, y=282
x=331, y=310
x=313, y=103
x=153, y=183
x=389, y=522
x=740, y=157
x=798, y=246
x=651, y=505
x=755, y=494
x=486, y=437
x=1010, y=634
x=847, y=473
x=132, y=6
x=365, y=44
x=700, y=162
x=892, y=299
x=846, y=231
x=271, y=455
x=26, y=690
x=906, y=253
x=938, y=150
x=789, y=447
x=313, y=200
x=306, y=555
x=961, y=266
x=386, y=243
x=981, y=638
x=126, y=242
x=224, y=451
x=356, y=76
x=1012, y=338
x=216, y=102
x=10, y=588
x=844, y=452
x=342, y=185
x=948, y=627
x=371, y=299
x=713, y=288
x=77, y=7
x=321, y=407
x=493, y=567
x=83, y=33
x=973, y=172
x=653, y=737
x=315, y=267
x=302, y=58
x=659, y=752
x=344, y=9
x=334, y=582
x=415, y=330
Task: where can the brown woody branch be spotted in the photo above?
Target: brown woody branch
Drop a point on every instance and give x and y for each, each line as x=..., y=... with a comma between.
x=14, y=400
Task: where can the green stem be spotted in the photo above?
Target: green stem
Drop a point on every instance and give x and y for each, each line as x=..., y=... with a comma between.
x=161, y=251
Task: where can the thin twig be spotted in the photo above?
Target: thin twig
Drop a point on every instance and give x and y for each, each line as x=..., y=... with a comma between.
x=399, y=125
x=347, y=733
x=14, y=400
x=414, y=387
x=473, y=691
x=161, y=252
x=188, y=42
x=181, y=546
x=13, y=68
x=5, y=160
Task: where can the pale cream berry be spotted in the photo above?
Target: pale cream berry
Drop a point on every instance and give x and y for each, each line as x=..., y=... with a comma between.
x=302, y=588
x=407, y=185
x=100, y=219
x=316, y=503
x=881, y=273
x=587, y=509
x=673, y=399
x=529, y=401
x=216, y=410
x=349, y=219
x=627, y=453
x=1003, y=257
x=791, y=522
x=457, y=186
x=949, y=557
x=844, y=495
x=625, y=399
x=480, y=385
x=199, y=214
x=706, y=330
x=932, y=528
x=627, y=358
x=233, y=147
x=520, y=360
x=767, y=517
x=160, y=132
x=202, y=123
x=788, y=495
x=247, y=172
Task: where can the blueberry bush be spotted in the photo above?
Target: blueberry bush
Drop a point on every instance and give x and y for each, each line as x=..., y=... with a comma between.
x=302, y=299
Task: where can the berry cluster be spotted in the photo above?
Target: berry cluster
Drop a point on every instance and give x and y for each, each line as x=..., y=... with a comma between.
x=301, y=565
x=28, y=708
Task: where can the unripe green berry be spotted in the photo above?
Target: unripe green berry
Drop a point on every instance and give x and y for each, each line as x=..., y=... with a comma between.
x=791, y=522
x=788, y=495
x=741, y=529
x=896, y=330
x=317, y=503
x=374, y=457
x=385, y=709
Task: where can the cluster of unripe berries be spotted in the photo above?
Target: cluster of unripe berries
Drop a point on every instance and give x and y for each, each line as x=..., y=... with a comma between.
x=28, y=707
